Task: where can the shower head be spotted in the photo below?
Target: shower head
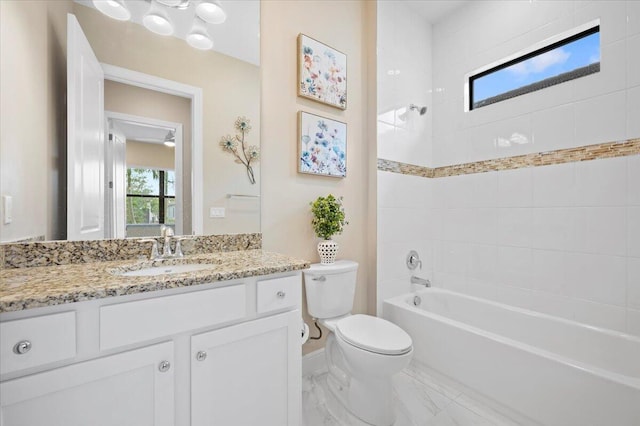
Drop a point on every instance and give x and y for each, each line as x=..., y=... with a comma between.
x=421, y=110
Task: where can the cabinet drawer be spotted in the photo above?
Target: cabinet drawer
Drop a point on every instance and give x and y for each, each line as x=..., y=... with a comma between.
x=133, y=322
x=45, y=339
x=278, y=293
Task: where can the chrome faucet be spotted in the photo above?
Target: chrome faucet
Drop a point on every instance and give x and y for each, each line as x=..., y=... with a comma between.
x=167, y=233
x=420, y=281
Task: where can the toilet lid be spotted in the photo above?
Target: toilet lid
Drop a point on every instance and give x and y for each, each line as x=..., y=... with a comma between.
x=374, y=334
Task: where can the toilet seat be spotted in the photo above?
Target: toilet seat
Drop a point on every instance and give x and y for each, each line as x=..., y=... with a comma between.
x=373, y=334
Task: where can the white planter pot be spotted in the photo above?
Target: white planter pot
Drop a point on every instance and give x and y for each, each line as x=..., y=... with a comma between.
x=327, y=249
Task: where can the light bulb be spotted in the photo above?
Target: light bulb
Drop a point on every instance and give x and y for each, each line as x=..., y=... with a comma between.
x=211, y=12
x=115, y=9
x=199, y=37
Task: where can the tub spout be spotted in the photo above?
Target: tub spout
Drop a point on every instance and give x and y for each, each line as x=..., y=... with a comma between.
x=420, y=281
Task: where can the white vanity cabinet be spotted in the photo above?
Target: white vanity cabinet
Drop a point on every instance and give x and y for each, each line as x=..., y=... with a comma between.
x=131, y=388
x=225, y=353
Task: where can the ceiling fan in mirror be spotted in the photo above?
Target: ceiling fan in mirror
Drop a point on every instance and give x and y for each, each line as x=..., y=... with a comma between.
x=157, y=18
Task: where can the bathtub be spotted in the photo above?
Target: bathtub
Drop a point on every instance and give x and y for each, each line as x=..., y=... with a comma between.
x=551, y=370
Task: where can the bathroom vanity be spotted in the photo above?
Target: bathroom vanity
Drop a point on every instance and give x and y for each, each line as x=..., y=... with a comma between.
x=89, y=344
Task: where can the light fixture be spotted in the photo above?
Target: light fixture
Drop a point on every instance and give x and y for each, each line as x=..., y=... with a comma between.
x=157, y=21
x=199, y=37
x=170, y=139
x=211, y=12
x=115, y=9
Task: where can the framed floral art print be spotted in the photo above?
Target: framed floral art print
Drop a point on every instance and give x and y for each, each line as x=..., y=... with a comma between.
x=322, y=72
x=322, y=145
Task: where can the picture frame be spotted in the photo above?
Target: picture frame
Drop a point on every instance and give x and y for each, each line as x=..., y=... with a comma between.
x=322, y=72
x=322, y=145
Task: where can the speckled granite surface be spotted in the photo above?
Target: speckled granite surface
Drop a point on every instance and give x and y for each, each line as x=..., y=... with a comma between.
x=47, y=253
x=25, y=288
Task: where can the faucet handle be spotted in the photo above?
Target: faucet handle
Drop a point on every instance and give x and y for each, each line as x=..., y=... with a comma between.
x=178, y=251
x=413, y=260
x=154, y=248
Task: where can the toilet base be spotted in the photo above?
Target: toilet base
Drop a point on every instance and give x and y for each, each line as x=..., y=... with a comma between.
x=370, y=400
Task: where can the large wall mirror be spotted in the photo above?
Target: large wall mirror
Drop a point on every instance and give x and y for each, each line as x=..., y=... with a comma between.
x=127, y=143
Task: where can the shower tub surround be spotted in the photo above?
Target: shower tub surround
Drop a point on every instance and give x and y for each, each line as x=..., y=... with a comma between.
x=551, y=370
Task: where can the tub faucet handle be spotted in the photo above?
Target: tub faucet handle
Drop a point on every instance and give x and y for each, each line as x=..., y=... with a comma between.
x=413, y=260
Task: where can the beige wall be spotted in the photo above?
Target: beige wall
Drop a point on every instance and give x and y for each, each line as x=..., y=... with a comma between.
x=32, y=107
x=231, y=88
x=286, y=193
x=151, y=155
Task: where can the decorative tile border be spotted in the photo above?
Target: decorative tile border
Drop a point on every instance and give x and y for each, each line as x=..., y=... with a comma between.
x=48, y=253
x=560, y=156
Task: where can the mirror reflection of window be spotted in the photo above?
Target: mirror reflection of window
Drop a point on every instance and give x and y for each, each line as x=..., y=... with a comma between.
x=150, y=201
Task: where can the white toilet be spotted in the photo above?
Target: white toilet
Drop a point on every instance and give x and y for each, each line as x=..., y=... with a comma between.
x=362, y=351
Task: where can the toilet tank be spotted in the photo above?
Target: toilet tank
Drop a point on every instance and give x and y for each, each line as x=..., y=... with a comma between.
x=330, y=288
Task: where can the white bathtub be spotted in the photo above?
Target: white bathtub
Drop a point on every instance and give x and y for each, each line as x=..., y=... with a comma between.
x=552, y=370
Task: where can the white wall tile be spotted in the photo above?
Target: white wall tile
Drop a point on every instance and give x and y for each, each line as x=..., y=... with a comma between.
x=633, y=283
x=553, y=128
x=633, y=112
x=515, y=188
x=554, y=228
x=396, y=190
x=514, y=227
x=612, y=15
x=484, y=189
x=633, y=322
x=550, y=271
x=515, y=267
x=482, y=263
x=483, y=226
x=601, y=119
x=601, y=230
x=633, y=17
x=633, y=179
x=633, y=61
x=633, y=231
x=601, y=182
x=554, y=186
x=397, y=225
x=598, y=278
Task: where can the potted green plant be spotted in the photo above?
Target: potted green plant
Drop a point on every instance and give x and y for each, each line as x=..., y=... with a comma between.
x=328, y=220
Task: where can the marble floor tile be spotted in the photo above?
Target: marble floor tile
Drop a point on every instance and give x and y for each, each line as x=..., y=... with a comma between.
x=420, y=399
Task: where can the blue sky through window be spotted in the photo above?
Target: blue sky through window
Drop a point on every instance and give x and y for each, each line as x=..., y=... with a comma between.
x=573, y=55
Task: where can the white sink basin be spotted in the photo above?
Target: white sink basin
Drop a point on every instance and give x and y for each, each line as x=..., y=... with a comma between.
x=168, y=269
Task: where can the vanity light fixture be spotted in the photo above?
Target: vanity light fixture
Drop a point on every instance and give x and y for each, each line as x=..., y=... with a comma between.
x=199, y=37
x=211, y=11
x=157, y=21
x=115, y=9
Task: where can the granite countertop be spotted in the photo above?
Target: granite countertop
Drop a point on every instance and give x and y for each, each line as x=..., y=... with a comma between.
x=25, y=288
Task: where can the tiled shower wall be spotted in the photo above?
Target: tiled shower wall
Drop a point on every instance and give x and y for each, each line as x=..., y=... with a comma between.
x=562, y=239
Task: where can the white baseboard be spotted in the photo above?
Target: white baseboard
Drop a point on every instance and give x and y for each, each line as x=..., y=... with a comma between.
x=313, y=362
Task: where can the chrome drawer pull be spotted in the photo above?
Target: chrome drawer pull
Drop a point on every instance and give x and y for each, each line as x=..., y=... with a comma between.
x=320, y=278
x=22, y=347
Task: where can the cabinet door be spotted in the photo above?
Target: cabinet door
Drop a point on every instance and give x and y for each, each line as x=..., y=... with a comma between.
x=248, y=374
x=117, y=390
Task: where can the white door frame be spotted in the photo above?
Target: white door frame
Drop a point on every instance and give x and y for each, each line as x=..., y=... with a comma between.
x=111, y=115
x=152, y=82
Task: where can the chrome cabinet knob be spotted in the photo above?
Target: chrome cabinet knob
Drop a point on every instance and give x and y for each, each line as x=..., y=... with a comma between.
x=281, y=294
x=22, y=347
x=201, y=355
x=164, y=366
x=320, y=278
